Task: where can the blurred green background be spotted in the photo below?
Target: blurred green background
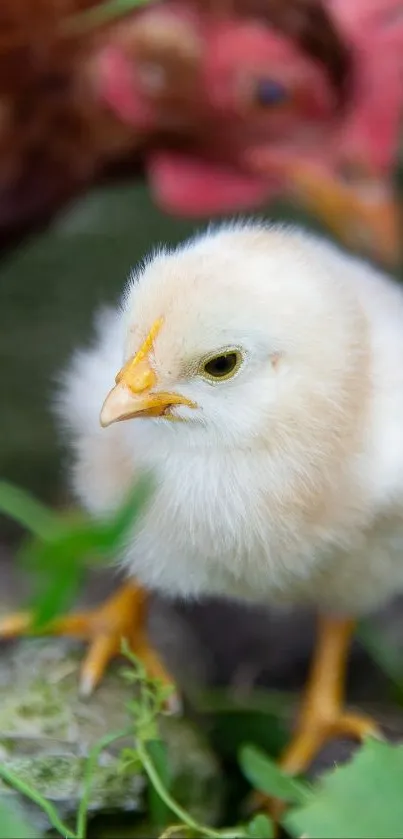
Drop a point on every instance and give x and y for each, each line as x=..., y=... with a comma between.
x=49, y=289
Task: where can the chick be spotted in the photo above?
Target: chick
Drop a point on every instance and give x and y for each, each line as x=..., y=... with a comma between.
x=259, y=381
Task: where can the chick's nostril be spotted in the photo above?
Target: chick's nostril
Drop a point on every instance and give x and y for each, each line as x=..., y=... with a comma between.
x=143, y=380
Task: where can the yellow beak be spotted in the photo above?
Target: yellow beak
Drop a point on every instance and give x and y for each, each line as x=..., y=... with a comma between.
x=364, y=217
x=132, y=397
x=367, y=220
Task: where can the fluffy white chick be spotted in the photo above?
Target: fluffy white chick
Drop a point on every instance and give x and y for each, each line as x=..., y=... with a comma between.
x=259, y=381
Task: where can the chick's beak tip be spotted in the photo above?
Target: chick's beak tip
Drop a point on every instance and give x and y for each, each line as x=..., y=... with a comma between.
x=117, y=405
x=122, y=404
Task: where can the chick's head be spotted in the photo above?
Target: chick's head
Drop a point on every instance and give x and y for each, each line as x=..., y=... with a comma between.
x=235, y=337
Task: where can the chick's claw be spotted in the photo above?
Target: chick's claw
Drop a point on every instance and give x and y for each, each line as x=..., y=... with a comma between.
x=308, y=742
x=121, y=617
x=306, y=745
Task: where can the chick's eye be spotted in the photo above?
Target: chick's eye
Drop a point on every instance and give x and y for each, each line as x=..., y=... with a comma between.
x=222, y=366
x=270, y=92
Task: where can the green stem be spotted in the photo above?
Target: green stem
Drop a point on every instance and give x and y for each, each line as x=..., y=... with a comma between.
x=82, y=814
x=105, y=12
x=14, y=781
x=173, y=805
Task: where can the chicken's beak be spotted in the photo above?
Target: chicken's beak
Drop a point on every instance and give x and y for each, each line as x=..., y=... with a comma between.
x=363, y=216
x=133, y=394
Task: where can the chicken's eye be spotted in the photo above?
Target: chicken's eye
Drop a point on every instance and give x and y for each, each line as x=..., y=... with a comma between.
x=223, y=366
x=270, y=92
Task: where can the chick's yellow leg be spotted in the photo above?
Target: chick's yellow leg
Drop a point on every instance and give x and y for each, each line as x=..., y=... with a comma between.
x=123, y=616
x=322, y=715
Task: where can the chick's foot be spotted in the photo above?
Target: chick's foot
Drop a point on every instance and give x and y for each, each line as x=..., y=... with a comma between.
x=311, y=737
x=121, y=617
x=322, y=715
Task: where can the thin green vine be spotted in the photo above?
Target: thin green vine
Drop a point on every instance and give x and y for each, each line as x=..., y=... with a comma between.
x=25, y=789
x=186, y=818
x=82, y=814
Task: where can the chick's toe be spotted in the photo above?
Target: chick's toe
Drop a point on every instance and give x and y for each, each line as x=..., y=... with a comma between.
x=121, y=617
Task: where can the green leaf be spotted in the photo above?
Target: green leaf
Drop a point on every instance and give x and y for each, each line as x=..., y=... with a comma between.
x=260, y=827
x=57, y=568
x=28, y=512
x=265, y=775
x=159, y=812
x=59, y=557
x=115, y=532
x=360, y=799
x=56, y=592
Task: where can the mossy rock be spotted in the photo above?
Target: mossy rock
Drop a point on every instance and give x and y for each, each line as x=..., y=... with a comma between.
x=47, y=731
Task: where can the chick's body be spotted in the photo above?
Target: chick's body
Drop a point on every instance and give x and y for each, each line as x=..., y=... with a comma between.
x=285, y=483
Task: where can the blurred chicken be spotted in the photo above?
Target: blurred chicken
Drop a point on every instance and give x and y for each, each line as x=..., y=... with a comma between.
x=55, y=134
x=260, y=385
x=58, y=130
x=349, y=184
x=229, y=104
x=231, y=82
x=369, y=134
x=265, y=100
